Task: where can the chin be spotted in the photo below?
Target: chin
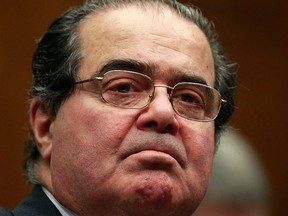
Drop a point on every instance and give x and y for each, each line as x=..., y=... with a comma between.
x=157, y=194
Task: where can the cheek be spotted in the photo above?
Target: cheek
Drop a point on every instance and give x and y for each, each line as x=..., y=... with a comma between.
x=88, y=136
x=199, y=140
x=93, y=123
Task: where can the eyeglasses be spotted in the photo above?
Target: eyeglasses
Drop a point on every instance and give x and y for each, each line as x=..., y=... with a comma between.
x=133, y=90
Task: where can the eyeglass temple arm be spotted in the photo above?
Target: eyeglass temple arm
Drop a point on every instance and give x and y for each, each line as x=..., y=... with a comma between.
x=89, y=80
x=224, y=102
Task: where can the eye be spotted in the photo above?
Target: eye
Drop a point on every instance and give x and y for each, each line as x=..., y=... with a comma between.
x=123, y=88
x=192, y=102
x=189, y=98
x=126, y=89
x=123, y=85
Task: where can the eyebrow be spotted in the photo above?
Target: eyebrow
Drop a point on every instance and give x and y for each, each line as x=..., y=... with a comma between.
x=127, y=64
x=149, y=70
x=185, y=77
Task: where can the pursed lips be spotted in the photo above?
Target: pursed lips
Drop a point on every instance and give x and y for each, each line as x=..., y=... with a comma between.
x=163, y=145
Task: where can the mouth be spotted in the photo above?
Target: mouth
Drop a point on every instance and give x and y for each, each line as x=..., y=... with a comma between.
x=156, y=156
x=154, y=159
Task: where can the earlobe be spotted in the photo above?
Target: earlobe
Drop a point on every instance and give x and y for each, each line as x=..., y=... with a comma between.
x=41, y=123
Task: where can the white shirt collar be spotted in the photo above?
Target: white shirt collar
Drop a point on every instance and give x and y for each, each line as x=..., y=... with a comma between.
x=64, y=211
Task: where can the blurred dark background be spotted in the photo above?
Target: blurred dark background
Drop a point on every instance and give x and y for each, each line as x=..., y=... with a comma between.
x=254, y=34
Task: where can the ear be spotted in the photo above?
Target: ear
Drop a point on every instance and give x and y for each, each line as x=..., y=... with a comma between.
x=41, y=122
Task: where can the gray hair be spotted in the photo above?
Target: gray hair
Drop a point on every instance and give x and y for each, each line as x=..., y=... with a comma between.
x=57, y=58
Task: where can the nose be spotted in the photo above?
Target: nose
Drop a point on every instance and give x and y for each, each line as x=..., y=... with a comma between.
x=159, y=114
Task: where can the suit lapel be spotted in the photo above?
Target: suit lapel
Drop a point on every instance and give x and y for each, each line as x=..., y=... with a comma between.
x=35, y=204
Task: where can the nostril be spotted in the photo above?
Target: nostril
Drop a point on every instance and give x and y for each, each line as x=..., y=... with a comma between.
x=155, y=126
x=169, y=127
x=151, y=124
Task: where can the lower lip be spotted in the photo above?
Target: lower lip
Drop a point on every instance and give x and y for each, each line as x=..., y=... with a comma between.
x=153, y=158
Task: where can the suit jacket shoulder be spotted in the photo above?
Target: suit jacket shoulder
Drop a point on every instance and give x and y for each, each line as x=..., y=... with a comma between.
x=35, y=204
x=5, y=212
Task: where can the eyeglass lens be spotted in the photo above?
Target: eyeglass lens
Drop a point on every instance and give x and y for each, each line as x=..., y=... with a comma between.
x=135, y=90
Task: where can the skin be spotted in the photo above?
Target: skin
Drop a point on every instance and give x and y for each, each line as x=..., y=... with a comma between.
x=113, y=161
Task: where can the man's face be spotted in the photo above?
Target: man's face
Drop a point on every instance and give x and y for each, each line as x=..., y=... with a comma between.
x=148, y=161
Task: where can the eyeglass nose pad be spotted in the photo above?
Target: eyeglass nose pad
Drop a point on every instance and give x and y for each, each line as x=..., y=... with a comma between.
x=170, y=93
x=152, y=95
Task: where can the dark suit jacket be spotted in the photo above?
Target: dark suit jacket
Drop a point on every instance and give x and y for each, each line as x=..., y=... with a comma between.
x=35, y=204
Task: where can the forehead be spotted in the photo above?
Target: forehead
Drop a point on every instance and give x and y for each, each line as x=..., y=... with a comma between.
x=155, y=35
